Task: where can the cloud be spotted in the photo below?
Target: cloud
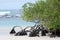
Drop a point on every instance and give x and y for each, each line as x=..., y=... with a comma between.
x=6, y=12
x=3, y=13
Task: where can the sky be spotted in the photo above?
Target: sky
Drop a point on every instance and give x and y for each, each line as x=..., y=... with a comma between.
x=13, y=4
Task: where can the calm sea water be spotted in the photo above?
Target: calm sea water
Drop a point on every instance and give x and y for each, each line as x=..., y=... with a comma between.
x=7, y=22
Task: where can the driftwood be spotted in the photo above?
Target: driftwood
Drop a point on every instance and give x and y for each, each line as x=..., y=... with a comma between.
x=22, y=32
x=13, y=30
x=35, y=32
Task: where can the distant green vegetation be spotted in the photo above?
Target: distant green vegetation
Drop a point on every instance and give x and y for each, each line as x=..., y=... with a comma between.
x=47, y=12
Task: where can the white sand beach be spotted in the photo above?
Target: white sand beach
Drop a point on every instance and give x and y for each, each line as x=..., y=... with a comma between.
x=27, y=38
x=4, y=35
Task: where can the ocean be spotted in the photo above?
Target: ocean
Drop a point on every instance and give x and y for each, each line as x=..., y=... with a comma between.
x=14, y=22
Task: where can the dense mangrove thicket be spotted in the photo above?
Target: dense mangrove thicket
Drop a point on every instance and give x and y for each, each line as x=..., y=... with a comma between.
x=47, y=12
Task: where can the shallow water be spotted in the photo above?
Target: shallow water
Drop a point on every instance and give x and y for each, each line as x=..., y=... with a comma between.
x=14, y=22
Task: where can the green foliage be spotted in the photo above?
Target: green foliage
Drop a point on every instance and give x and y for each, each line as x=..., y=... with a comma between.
x=47, y=12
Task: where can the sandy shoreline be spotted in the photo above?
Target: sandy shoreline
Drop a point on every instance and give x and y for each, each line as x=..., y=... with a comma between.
x=27, y=38
x=4, y=35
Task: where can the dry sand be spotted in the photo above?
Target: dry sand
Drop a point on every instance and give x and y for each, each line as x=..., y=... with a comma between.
x=27, y=38
x=7, y=36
